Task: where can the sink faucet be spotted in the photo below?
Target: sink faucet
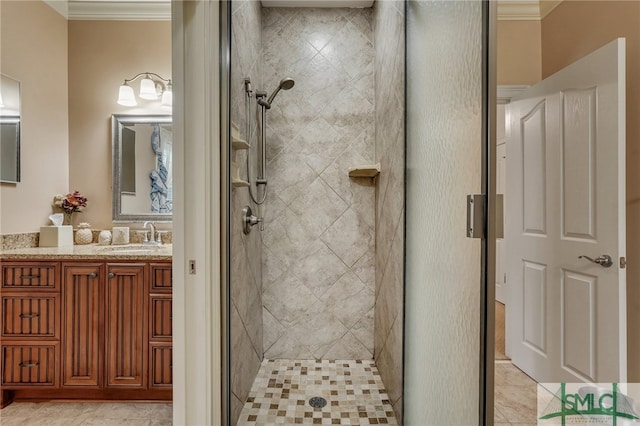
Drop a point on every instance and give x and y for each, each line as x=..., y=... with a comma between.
x=152, y=227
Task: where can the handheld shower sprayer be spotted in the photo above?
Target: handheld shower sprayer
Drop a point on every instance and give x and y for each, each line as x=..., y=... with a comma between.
x=285, y=83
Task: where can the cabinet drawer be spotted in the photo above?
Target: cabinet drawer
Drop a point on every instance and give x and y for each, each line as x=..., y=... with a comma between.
x=161, y=373
x=31, y=316
x=25, y=276
x=160, y=317
x=30, y=365
x=161, y=278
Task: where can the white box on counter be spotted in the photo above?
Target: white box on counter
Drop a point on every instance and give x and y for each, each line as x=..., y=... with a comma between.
x=56, y=236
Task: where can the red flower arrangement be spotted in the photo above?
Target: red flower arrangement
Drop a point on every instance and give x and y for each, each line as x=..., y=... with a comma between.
x=71, y=203
x=74, y=202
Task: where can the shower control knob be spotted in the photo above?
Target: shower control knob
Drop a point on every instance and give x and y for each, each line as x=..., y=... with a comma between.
x=249, y=220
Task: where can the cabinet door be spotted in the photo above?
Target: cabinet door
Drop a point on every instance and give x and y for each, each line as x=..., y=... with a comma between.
x=160, y=318
x=161, y=366
x=81, y=315
x=161, y=280
x=126, y=344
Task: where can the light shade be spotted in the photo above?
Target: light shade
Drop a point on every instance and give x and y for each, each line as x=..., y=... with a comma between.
x=126, y=97
x=148, y=89
x=1, y=103
x=167, y=99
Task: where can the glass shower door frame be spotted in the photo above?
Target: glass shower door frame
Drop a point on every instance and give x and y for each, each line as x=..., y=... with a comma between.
x=483, y=397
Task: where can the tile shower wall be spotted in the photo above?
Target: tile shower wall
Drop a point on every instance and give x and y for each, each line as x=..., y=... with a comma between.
x=246, y=264
x=388, y=18
x=318, y=245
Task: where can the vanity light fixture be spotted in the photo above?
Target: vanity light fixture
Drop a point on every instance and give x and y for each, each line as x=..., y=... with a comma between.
x=151, y=86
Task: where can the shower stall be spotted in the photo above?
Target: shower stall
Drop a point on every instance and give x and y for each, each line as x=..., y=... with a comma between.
x=318, y=301
x=316, y=288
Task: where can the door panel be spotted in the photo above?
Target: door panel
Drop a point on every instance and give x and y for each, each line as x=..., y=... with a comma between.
x=578, y=164
x=126, y=322
x=534, y=177
x=444, y=161
x=567, y=199
x=81, y=303
x=535, y=318
x=576, y=324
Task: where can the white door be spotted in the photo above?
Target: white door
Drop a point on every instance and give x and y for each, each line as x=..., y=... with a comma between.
x=566, y=317
x=501, y=181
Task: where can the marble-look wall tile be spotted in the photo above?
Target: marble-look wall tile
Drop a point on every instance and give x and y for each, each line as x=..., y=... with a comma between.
x=246, y=250
x=319, y=245
x=388, y=30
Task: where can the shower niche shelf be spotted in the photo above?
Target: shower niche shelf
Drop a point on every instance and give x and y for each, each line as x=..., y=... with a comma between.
x=239, y=183
x=236, y=181
x=366, y=171
x=237, y=143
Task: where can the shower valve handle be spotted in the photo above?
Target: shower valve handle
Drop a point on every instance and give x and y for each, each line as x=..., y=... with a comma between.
x=253, y=220
x=249, y=219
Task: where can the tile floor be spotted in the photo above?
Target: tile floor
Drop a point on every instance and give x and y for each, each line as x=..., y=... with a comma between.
x=515, y=396
x=86, y=413
x=280, y=395
x=353, y=390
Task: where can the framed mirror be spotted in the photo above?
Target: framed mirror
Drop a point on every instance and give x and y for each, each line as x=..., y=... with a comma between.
x=9, y=130
x=142, y=180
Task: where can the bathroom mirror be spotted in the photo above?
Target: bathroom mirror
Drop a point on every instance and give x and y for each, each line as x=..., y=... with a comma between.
x=142, y=179
x=9, y=130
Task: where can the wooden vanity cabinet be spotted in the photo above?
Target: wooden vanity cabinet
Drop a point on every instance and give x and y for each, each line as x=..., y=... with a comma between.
x=85, y=330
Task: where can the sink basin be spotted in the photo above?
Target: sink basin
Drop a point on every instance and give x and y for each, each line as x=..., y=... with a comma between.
x=131, y=248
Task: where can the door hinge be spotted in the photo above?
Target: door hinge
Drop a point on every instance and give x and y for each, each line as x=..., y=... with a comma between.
x=475, y=216
x=623, y=262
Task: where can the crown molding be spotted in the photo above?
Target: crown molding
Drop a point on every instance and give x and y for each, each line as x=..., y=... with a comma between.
x=518, y=10
x=136, y=10
x=60, y=6
x=318, y=3
x=525, y=10
x=120, y=10
x=505, y=93
x=546, y=6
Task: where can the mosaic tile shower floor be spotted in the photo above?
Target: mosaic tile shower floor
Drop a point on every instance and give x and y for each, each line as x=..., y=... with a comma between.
x=282, y=389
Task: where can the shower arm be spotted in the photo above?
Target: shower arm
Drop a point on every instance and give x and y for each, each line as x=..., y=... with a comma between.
x=262, y=180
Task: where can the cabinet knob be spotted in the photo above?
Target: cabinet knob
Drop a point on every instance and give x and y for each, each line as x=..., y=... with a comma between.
x=29, y=315
x=93, y=275
x=28, y=364
x=111, y=275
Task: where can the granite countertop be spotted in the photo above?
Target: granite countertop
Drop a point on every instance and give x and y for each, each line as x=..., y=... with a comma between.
x=131, y=252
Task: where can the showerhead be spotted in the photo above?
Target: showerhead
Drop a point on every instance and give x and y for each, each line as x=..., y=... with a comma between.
x=285, y=83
